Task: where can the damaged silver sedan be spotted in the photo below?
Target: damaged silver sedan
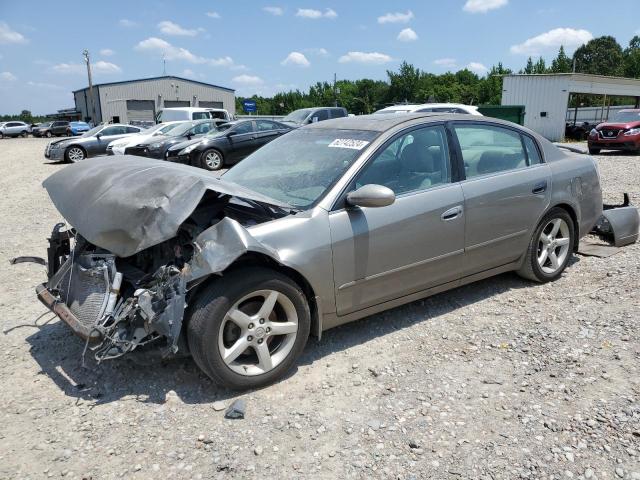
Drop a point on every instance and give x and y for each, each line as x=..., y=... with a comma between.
x=325, y=225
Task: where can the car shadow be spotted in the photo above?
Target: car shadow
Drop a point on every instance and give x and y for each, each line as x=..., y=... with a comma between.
x=59, y=353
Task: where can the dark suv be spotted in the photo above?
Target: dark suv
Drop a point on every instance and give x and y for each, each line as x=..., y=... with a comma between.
x=622, y=132
x=304, y=116
x=50, y=129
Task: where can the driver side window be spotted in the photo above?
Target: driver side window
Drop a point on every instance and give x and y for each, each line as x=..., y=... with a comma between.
x=415, y=161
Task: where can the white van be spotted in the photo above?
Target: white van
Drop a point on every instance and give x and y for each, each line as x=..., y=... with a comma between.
x=221, y=113
x=176, y=114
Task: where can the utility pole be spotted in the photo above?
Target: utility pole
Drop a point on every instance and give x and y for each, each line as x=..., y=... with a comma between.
x=164, y=65
x=335, y=91
x=85, y=53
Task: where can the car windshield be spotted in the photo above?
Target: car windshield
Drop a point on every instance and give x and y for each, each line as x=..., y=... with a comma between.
x=164, y=129
x=297, y=116
x=301, y=166
x=180, y=129
x=48, y=124
x=92, y=132
x=623, y=117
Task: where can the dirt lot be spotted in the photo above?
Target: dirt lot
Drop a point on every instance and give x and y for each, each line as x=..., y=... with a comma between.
x=497, y=380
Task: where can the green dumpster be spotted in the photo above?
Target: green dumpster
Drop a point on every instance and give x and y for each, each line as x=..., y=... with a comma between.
x=511, y=113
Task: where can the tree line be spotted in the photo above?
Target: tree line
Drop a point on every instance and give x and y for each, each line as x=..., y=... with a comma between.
x=600, y=56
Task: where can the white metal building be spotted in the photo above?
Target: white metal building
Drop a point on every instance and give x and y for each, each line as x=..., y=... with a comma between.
x=546, y=96
x=138, y=101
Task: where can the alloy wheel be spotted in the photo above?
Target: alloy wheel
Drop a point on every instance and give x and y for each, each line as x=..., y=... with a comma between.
x=258, y=332
x=553, y=246
x=213, y=160
x=75, y=154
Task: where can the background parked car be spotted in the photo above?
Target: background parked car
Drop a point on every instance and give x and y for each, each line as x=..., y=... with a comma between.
x=304, y=116
x=431, y=107
x=77, y=128
x=55, y=128
x=92, y=143
x=118, y=147
x=232, y=143
x=156, y=147
x=622, y=132
x=41, y=129
x=182, y=113
x=14, y=129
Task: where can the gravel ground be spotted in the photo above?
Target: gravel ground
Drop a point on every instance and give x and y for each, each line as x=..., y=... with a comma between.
x=501, y=379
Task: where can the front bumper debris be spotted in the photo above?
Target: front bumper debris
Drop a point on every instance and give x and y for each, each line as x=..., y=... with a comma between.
x=62, y=311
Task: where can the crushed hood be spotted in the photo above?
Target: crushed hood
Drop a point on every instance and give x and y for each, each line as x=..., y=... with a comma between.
x=126, y=204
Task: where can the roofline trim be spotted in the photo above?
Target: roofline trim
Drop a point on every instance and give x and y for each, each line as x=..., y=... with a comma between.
x=164, y=77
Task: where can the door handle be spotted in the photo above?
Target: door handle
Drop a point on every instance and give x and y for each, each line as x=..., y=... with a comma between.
x=451, y=214
x=539, y=188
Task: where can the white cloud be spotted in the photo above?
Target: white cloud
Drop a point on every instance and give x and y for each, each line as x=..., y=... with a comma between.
x=315, y=14
x=106, y=52
x=397, y=17
x=169, y=28
x=477, y=68
x=49, y=86
x=105, y=67
x=213, y=15
x=407, y=35
x=8, y=35
x=553, y=39
x=8, y=77
x=372, y=58
x=125, y=22
x=320, y=52
x=156, y=45
x=81, y=69
x=245, y=80
x=276, y=11
x=187, y=72
x=296, y=58
x=483, y=6
x=446, y=62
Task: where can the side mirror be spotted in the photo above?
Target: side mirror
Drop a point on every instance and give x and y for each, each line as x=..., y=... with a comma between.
x=98, y=135
x=230, y=134
x=371, y=196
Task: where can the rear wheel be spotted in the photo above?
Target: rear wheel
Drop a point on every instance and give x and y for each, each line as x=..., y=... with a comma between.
x=74, y=154
x=69, y=133
x=48, y=134
x=1, y=135
x=594, y=150
x=248, y=329
x=24, y=134
x=551, y=247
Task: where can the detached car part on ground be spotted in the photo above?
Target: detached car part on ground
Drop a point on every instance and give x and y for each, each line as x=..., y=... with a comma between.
x=325, y=225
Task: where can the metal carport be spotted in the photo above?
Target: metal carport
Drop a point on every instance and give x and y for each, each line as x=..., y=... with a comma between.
x=546, y=96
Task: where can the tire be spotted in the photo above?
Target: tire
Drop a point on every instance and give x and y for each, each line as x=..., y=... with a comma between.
x=211, y=331
x=69, y=133
x=1, y=135
x=24, y=134
x=74, y=154
x=48, y=134
x=211, y=160
x=541, y=267
x=594, y=151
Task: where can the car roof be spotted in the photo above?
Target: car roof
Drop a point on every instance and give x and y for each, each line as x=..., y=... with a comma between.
x=382, y=123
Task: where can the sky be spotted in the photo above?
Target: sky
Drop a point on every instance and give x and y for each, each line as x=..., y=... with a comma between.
x=264, y=47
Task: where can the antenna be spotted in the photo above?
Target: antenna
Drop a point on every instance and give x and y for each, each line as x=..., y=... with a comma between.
x=164, y=65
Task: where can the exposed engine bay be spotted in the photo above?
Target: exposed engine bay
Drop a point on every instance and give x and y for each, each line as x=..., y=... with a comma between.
x=118, y=304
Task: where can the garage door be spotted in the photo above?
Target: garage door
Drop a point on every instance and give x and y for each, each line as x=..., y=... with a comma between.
x=176, y=103
x=207, y=104
x=140, y=112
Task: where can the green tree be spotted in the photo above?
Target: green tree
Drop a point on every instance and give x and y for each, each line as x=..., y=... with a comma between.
x=26, y=116
x=600, y=56
x=562, y=63
x=632, y=58
x=529, y=68
x=540, y=66
x=403, y=84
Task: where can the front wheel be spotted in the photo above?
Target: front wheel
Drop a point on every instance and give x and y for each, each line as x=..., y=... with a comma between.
x=211, y=160
x=551, y=247
x=594, y=151
x=74, y=154
x=69, y=133
x=247, y=329
x=48, y=134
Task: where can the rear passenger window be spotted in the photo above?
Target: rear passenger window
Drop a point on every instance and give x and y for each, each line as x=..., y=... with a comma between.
x=532, y=150
x=488, y=149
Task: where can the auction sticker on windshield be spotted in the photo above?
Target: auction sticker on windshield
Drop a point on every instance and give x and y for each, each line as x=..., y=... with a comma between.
x=351, y=143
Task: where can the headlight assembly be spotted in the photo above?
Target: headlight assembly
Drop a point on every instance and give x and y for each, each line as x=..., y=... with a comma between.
x=633, y=131
x=188, y=149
